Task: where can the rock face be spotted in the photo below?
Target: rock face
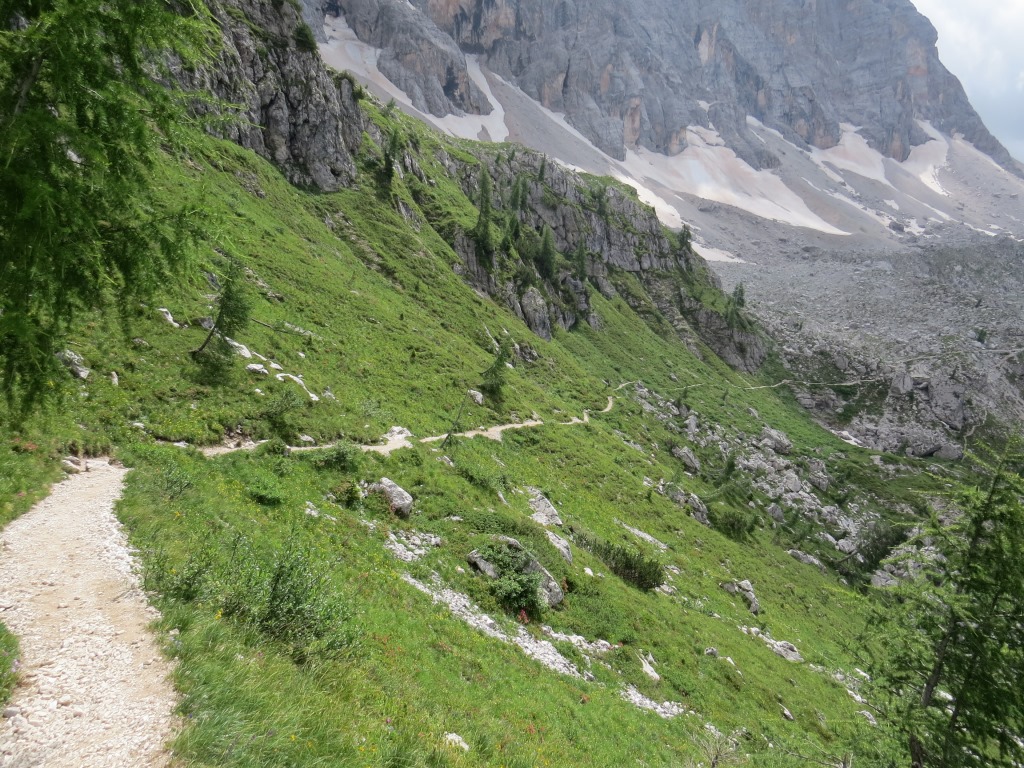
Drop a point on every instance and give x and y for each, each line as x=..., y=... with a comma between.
x=292, y=111
x=637, y=74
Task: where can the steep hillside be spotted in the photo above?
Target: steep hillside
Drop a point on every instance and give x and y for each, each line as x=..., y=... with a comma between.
x=471, y=487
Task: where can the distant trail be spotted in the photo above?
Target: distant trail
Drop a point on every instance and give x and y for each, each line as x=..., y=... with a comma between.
x=399, y=441
x=94, y=690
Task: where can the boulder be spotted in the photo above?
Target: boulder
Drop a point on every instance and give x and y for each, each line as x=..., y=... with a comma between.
x=803, y=557
x=686, y=456
x=549, y=590
x=561, y=545
x=698, y=510
x=776, y=440
x=476, y=397
x=544, y=511
x=399, y=500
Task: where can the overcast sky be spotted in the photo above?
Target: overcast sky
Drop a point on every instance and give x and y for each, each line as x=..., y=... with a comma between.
x=982, y=43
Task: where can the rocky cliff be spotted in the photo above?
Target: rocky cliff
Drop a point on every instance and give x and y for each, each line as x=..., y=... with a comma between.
x=289, y=108
x=637, y=74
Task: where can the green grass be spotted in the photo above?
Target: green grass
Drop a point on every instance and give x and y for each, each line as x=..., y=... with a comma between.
x=8, y=663
x=365, y=305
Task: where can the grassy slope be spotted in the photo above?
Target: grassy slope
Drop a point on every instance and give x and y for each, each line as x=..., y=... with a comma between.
x=398, y=337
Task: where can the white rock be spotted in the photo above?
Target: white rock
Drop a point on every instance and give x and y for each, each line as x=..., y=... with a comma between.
x=454, y=740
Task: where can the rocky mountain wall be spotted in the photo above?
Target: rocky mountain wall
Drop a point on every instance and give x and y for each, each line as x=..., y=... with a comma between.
x=637, y=74
x=291, y=109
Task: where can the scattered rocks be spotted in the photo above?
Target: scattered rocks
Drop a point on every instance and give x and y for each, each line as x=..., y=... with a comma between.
x=667, y=709
x=399, y=500
x=783, y=648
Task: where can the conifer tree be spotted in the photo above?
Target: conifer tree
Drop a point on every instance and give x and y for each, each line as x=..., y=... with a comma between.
x=85, y=109
x=547, y=254
x=482, y=230
x=952, y=635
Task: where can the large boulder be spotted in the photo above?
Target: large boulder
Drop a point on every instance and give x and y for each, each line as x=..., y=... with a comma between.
x=399, y=500
x=549, y=590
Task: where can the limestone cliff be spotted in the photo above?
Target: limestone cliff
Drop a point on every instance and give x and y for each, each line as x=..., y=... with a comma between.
x=636, y=74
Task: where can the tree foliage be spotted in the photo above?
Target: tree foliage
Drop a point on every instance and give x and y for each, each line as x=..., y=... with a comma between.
x=234, y=306
x=494, y=376
x=482, y=230
x=953, y=647
x=547, y=254
x=85, y=110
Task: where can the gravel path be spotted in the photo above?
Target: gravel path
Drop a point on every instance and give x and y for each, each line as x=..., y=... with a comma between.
x=94, y=690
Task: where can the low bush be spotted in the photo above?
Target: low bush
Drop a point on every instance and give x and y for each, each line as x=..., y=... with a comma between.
x=285, y=596
x=515, y=589
x=628, y=564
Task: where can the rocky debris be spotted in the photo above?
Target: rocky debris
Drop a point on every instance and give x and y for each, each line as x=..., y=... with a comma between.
x=746, y=590
x=692, y=427
x=713, y=652
x=644, y=536
x=667, y=709
x=454, y=740
x=257, y=368
x=561, y=545
x=475, y=396
x=869, y=717
x=399, y=500
x=544, y=512
x=775, y=513
x=686, y=456
x=647, y=664
x=777, y=441
x=783, y=648
x=464, y=608
x=787, y=714
x=549, y=590
x=595, y=648
x=803, y=557
x=410, y=546
x=74, y=363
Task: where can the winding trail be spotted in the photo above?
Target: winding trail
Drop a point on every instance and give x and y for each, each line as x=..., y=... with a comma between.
x=94, y=690
x=398, y=438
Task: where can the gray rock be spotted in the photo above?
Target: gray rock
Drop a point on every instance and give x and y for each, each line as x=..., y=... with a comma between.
x=476, y=397
x=776, y=514
x=791, y=483
x=777, y=441
x=549, y=589
x=477, y=560
x=803, y=557
x=561, y=545
x=74, y=363
x=399, y=500
x=686, y=456
x=698, y=509
x=544, y=512
x=535, y=313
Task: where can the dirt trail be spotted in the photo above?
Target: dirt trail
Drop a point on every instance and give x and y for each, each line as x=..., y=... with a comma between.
x=94, y=690
x=400, y=438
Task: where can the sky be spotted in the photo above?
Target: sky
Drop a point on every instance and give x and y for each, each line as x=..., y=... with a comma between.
x=982, y=43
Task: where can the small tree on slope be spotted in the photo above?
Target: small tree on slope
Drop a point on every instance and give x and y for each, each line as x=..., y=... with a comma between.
x=953, y=633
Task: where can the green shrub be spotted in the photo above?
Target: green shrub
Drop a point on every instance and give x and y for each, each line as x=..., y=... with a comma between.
x=9, y=663
x=735, y=522
x=285, y=597
x=628, y=564
x=515, y=589
x=342, y=457
x=305, y=40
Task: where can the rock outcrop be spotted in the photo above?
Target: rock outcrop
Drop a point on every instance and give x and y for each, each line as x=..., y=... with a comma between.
x=291, y=109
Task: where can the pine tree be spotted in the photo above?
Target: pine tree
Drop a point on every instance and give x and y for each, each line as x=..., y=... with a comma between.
x=952, y=635
x=494, y=376
x=547, y=254
x=482, y=230
x=234, y=306
x=82, y=121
